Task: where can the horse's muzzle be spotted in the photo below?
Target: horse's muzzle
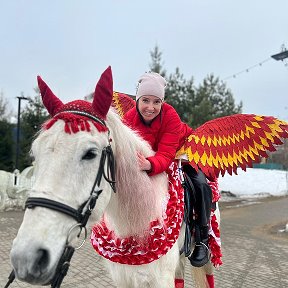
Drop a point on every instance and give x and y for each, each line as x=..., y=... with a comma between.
x=32, y=267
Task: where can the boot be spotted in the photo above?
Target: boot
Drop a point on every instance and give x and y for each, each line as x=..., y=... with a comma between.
x=200, y=254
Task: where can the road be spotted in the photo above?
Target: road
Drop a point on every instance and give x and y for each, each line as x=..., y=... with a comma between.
x=254, y=252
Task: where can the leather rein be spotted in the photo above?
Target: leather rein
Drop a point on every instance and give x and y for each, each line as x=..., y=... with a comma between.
x=82, y=214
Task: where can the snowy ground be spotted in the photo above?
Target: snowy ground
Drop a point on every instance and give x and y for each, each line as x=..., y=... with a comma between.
x=255, y=182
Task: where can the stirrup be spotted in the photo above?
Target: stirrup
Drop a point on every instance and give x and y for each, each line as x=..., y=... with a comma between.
x=202, y=261
x=202, y=243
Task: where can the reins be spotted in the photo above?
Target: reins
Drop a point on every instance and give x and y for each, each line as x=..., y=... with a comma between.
x=82, y=214
x=109, y=176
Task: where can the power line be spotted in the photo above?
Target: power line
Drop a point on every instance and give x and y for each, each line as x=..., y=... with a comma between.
x=247, y=69
x=283, y=55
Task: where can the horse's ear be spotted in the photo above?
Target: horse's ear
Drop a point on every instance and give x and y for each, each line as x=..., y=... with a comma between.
x=103, y=94
x=50, y=101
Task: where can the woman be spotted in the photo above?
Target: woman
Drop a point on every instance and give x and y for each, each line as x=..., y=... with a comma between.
x=159, y=124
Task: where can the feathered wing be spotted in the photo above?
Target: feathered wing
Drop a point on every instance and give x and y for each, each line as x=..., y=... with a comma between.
x=229, y=142
x=122, y=103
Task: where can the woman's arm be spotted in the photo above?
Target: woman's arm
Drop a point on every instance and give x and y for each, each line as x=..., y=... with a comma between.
x=168, y=142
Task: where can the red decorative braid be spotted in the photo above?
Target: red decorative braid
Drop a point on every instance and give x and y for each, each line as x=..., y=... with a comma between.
x=215, y=190
x=160, y=238
x=214, y=241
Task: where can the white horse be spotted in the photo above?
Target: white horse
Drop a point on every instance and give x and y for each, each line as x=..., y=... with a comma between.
x=67, y=161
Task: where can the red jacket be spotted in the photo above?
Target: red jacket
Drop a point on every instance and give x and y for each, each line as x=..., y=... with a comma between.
x=166, y=134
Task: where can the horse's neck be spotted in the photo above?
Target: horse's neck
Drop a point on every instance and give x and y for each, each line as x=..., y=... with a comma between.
x=139, y=198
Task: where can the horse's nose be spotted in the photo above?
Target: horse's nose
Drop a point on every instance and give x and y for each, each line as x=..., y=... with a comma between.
x=31, y=267
x=41, y=261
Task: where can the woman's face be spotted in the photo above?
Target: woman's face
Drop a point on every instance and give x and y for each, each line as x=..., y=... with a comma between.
x=149, y=107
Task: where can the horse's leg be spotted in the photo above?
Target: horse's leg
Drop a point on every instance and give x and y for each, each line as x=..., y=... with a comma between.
x=160, y=273
x=166, y=267
x=199, y=277
x=202, y=276
x=209, y=270
x=180, y=269
x=180, y=272
x=143, y=278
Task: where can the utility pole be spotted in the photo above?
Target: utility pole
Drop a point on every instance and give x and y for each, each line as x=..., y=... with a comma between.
x=18, y=131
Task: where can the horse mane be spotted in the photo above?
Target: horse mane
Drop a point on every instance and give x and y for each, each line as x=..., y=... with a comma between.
x=139, y=198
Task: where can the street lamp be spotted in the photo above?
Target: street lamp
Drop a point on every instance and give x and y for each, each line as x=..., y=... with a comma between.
x=18, y=131
x=280, y=56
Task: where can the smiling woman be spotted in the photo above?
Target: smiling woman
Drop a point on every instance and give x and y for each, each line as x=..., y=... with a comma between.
x=160, y=125
x=149, y=107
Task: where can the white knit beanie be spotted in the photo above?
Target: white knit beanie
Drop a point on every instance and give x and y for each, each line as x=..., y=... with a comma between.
x=151, y=83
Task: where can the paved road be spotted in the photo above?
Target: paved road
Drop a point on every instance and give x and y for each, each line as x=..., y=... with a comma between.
x=254, y=254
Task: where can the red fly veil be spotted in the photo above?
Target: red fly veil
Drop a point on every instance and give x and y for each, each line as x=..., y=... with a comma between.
x=77, y=113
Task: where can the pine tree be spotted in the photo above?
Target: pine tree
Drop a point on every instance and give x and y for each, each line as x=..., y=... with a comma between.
x=157, y=65
x=6, y=136
x=180, y=93
x=4, y=113
x=6, y=146
x=195, y=105
x=213, y=100
x=32, y=117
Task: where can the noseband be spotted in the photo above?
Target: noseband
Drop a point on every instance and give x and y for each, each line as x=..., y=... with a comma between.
x=82, y=214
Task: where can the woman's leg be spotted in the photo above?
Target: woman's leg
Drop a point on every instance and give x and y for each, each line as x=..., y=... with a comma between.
x=202, y=209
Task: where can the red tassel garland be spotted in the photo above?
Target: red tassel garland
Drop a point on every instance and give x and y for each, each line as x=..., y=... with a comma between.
x=74, y=123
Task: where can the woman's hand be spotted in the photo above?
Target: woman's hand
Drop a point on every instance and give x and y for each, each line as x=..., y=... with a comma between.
x=143, y=163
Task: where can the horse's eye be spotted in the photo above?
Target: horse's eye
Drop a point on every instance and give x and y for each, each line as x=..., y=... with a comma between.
x=90, y=154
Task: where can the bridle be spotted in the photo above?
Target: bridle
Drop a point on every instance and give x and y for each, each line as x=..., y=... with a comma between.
x=82, y=214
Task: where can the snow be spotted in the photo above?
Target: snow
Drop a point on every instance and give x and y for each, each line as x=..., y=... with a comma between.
x=255, y=182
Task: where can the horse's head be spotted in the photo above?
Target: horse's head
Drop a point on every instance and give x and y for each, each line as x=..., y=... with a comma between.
x=67, y=163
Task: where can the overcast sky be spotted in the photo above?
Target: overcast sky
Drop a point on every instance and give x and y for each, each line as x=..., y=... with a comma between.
x=69, y=43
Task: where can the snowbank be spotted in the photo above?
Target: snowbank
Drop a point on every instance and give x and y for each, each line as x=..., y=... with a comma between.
x=255, y=182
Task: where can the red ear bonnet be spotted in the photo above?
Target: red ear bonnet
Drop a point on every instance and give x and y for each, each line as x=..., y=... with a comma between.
x=76, y=113
x=103, y=94
x=50, y=101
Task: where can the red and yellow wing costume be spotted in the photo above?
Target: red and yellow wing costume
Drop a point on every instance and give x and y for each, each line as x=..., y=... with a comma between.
x=122, y=103
x=229, y=142
x=224, y=144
